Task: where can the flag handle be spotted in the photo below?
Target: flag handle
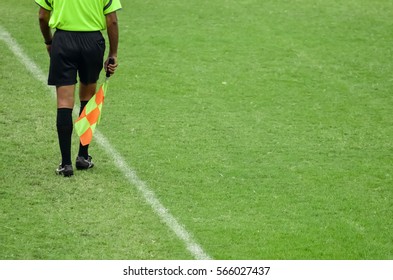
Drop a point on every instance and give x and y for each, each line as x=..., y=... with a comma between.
x=111, y=60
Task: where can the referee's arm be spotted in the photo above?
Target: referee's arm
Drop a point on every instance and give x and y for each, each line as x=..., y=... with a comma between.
x=113, y=36
x=43, y=17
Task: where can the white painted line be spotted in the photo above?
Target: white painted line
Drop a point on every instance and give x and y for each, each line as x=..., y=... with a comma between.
x=194, y=248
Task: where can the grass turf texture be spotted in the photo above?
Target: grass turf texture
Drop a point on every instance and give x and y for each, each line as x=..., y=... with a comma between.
x=265, y=128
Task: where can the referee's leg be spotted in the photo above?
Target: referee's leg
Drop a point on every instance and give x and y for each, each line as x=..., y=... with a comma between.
x=62, y=74
x=65, y=104
x=89, y=67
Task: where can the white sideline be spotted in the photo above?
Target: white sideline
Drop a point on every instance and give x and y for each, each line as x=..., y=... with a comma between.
x=194, y=248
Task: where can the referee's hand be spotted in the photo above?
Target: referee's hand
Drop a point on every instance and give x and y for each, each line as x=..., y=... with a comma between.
x=48, y=48
x=111, y=68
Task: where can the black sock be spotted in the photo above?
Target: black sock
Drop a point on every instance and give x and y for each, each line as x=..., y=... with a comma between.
x=83, y=150
x=64, y=132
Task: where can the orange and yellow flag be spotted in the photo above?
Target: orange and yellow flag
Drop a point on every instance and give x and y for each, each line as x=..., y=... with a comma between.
x=90, y=116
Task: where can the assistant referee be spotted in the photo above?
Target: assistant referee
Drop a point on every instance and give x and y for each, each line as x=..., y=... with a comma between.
x=77, y=48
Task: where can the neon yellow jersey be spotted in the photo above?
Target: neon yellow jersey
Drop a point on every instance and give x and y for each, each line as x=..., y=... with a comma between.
x=79, y=15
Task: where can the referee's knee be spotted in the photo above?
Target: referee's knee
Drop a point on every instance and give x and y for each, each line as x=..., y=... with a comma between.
x=65, y=96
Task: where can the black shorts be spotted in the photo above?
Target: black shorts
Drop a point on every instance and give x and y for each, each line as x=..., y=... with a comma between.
x=75, y=53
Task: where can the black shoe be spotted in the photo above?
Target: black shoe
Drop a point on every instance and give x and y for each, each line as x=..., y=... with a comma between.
x=82, y=163
x=66, y=171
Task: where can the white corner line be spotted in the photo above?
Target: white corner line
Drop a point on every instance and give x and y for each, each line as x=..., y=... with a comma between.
x=150, y=197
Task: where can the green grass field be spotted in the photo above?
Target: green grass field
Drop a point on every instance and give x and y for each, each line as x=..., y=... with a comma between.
x=264, y=127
